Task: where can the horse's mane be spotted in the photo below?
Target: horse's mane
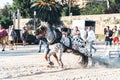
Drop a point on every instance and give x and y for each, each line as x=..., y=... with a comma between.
x=40, y=30
x=67, y=30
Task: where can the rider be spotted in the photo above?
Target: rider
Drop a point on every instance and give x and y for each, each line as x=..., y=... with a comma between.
x=43, y=41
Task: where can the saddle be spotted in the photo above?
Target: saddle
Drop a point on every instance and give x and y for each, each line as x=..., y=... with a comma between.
x=56, y=34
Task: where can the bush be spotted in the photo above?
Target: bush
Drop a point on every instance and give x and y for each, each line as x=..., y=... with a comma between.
x=5, y=22
x=75, y=10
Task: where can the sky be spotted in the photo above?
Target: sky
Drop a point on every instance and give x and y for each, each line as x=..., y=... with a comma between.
x=3, y=2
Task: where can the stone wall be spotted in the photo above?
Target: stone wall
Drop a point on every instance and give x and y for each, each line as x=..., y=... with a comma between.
x=101, y=21
x=21, y=23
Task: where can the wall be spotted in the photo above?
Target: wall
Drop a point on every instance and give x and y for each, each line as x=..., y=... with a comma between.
x=101, y=21
x=22, y=23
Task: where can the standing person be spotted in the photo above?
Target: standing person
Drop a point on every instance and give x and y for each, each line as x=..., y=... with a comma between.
x=115, y=36
x=108, y=37
x=43, y=41
x=3, y=36
x=11, y=37
x=90, y=39
x=24, y=35
x=76, y=32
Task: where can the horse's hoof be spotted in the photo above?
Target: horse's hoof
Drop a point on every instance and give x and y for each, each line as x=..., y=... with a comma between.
x=51, y=63
x=80, y=63
x=49, y=66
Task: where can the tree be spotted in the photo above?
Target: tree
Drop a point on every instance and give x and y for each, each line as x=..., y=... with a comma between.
x=48, y=11
x=93, y=8
x=114, y=6
x=75, y=10
x=24, y=7
x=6, y=17
x=5, y=21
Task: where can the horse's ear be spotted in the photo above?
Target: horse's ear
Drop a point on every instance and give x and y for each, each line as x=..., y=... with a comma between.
x=37, y=31
x=64, y=29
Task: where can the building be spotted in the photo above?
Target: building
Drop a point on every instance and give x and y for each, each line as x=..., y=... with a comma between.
x=82, y=3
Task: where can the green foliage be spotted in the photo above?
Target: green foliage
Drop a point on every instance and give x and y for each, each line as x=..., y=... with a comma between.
x=48, y=11
x=75, y=10
x=117, y=1
x=24, y=7
x=5, y=21
x=93, y=8
x=5, y=11
x=107, y=20
x=100, y=37
x=6, y=17
x=116, y=21
x=65, y=10
x=114, y=7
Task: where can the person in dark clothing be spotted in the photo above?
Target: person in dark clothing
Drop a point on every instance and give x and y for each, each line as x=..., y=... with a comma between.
x=105, y=30
x=24, y=35
x=108, y=36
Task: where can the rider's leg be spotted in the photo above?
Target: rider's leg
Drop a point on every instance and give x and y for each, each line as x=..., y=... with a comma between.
x=46, y=51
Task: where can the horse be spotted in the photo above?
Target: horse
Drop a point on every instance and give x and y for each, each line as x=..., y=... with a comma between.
x=60, y=44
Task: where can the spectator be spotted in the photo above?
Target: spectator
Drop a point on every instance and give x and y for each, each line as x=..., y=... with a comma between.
x=24, y=35
x=119, y=33
x=108, y=37
x=115, y=36
x=76, y=32
x=11, y=35
x=3, y=36
x=90, y=39
x=105, y=30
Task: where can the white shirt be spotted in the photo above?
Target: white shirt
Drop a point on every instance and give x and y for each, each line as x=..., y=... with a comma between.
x=12, y=35
x=91, y=36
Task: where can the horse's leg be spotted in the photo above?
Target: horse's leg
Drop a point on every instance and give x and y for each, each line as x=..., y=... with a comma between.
x=56, y=57
x=60, y=52
x=84, y=60
x=91, y=62
x=49, y=60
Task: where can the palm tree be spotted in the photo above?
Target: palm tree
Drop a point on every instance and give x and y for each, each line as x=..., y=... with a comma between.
x=48, y=11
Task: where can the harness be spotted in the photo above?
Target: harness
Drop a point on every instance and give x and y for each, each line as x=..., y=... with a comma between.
x=58, y=38
x=58, y=35
x=66, y=47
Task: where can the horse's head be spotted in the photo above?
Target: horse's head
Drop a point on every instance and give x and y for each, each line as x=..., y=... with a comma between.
x=66, y=30
x=41, y=31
